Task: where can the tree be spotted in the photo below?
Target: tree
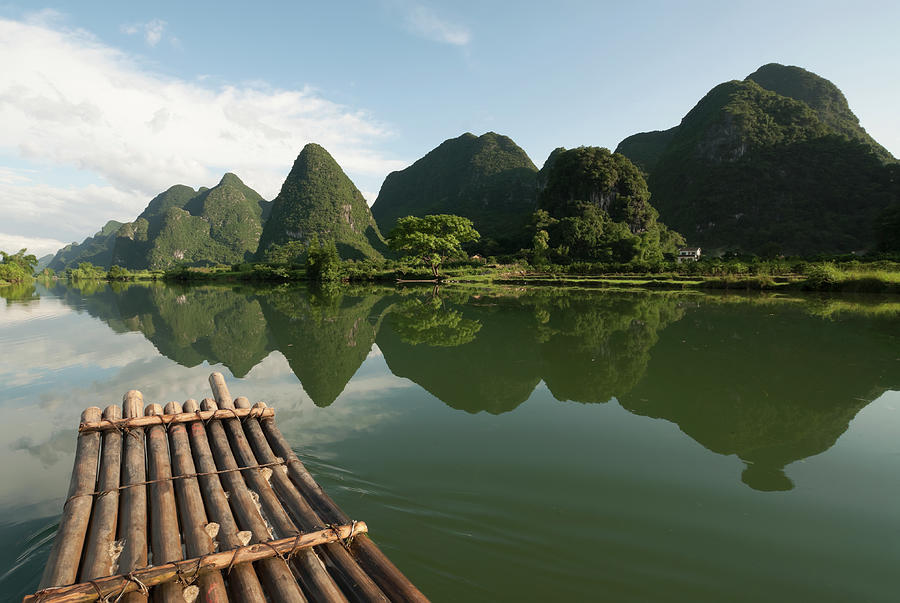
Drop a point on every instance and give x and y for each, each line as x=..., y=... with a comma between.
x=17, y=267
x=26, y=261
x=323, y=263
x=432, y=239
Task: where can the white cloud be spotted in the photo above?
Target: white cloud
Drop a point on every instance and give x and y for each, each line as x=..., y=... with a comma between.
x=68, y=100
x=370, y=196
x=36, y=245
x=152, y=30
x=423, y=21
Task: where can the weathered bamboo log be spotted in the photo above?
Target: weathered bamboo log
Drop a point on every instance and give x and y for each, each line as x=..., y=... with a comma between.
x=197, y=540
x=391, y=580
x=312, y=572
x=243, y=583
x=188, y=568
x=167, y=419
x=277, y=576
x=101, y=553
x=337, y=559
x=133, y=501
x=62, y=565
x=165, y=541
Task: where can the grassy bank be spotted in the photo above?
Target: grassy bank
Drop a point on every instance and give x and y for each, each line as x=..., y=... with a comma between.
x=848, y=276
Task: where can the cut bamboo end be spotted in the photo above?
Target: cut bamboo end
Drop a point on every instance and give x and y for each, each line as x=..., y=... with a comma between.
x=191, y=568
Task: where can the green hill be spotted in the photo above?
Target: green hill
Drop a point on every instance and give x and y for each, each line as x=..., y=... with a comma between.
x=97, y=249
x=821, y=95
x=488, y=179
x=598, y=208
x=774, y=163
x=318, y=198
x=181, y=225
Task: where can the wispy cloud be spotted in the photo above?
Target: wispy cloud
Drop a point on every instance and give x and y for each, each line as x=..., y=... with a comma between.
x=422, y=20
x=68, y=100
x=152, y=31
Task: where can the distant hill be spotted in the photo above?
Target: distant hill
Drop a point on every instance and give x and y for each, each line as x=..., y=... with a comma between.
x=43, y=262
x=776, y=163
x=96, y=249
x=488, y=179
x=317, y=198
x=207, y=226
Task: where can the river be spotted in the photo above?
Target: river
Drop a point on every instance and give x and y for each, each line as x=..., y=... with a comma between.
x=508, y=444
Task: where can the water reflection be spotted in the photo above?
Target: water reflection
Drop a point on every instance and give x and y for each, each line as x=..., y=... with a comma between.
x=771, y=381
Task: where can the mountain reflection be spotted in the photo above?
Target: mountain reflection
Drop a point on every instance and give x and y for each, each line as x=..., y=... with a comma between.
x=771, y=382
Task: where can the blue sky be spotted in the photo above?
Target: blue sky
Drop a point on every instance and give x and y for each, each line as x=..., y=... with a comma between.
x=107, y=104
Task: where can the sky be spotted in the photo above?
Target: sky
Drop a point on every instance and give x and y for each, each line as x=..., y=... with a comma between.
x=103, y=105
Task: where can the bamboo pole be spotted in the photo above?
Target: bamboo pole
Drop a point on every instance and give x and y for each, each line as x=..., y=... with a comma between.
x=161, y=574
x=391, y=580
x=167, y=419
x=336, y=557
x=280, y=583
x=133, y=501
x=101, y=555
x=309, y=567
x=165, y=540
x=62, y=565
x=197, y=540
x=243, y=583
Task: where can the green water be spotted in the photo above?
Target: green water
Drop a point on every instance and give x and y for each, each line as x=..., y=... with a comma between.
x=509, y=444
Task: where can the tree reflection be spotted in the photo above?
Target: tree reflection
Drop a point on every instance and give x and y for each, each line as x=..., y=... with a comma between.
x=18, y=293
x=479, y=353
x=431, y=323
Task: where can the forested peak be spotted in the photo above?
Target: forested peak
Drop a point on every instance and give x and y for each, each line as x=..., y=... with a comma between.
x=230, y=179
x=825, y=98
x=488, y=179
x=800, y=84
x=590, y=174
x=109, y=228
x=313, y=162
x=318, y=198
x=487, y=154
x=312, y=158
x=737, y=116
x=554, y=154
x=175, y=196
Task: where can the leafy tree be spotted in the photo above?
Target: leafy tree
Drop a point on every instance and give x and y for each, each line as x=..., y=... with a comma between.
x=432, y=239
x=86, y=272
x=541, y=220
x=26, y=260
x=117, y=273
x=323, y=263
x=17, y=267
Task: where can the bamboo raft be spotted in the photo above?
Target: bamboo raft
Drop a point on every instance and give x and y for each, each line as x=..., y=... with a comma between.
x=205, y=502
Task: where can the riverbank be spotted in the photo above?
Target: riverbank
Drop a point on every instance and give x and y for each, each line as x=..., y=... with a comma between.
x=852, y=276
x=881, y=277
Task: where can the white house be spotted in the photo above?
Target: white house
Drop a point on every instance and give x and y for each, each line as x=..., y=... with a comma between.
x=688, y=254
